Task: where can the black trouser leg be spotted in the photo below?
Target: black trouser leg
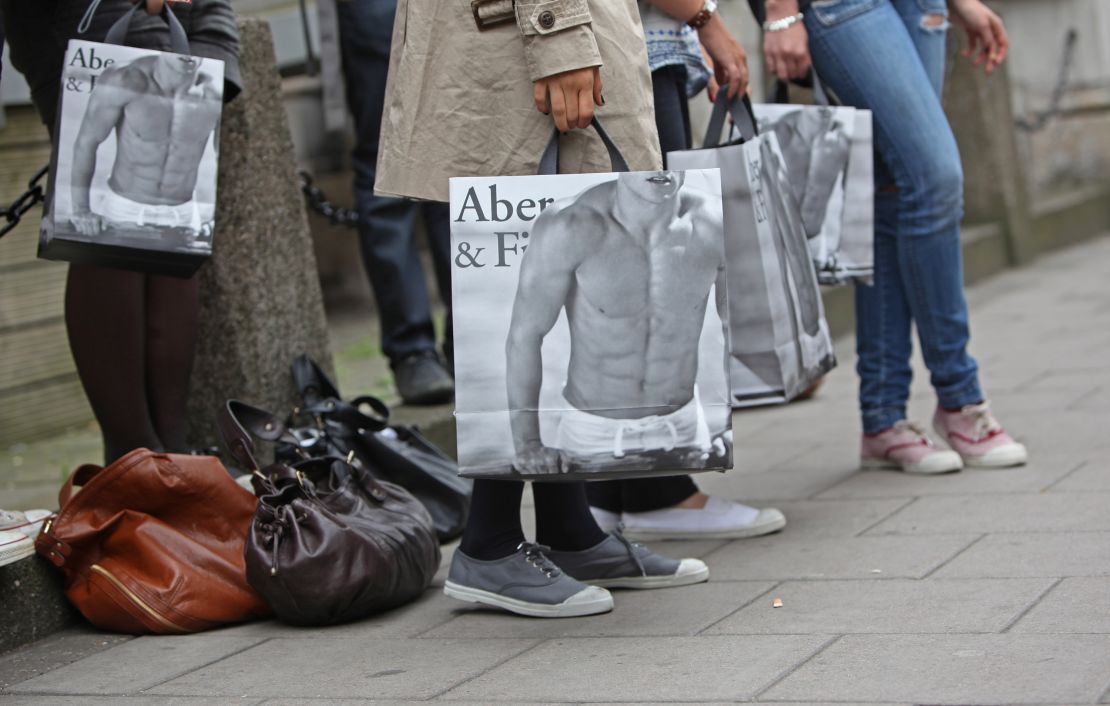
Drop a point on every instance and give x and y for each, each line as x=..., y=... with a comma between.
x=493, y=530
x=563, y=519
x=640, y=495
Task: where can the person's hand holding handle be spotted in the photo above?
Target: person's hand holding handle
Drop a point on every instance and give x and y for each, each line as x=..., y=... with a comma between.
x=569, y=98
x=785, y=41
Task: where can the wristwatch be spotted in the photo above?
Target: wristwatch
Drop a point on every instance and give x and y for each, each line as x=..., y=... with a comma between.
x=704, y=14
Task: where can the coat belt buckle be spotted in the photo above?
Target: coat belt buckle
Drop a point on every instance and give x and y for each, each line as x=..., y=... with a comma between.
x=493, y=18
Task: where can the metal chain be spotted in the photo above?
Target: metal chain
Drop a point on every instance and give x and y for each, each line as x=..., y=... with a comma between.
x=33, y=196
x=1038, y=120
x=318, y=202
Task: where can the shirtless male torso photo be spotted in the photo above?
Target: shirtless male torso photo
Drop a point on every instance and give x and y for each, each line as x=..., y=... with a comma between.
x=633, y=262
x=163, y=112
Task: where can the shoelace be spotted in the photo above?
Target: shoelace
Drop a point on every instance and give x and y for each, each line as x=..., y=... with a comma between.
x=631, y=547
x=915, y=429
x=536, y=555
x=985, y=423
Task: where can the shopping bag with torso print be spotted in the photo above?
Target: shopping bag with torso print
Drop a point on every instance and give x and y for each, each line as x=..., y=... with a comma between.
x=133, y=171
x=590, y=320
x=829, y=155
x=780, y=339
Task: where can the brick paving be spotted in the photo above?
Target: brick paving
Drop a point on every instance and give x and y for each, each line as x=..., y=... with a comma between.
x=985, y=587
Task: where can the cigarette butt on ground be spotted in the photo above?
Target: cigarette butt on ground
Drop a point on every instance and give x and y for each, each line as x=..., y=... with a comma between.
x=777, y=603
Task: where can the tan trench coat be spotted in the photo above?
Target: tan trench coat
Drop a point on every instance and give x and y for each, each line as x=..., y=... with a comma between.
x=459, y=100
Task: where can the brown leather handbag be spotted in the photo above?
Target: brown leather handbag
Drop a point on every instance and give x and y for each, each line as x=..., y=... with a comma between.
x=154, y=544
x=329, y=542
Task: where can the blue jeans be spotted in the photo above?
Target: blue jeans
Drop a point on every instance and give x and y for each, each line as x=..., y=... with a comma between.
x=888, y=56
x=387, y=232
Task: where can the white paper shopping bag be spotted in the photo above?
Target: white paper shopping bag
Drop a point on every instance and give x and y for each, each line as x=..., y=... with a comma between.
x=590, y=324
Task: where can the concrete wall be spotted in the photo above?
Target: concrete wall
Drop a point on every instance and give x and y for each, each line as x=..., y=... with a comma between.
x=1074, y=148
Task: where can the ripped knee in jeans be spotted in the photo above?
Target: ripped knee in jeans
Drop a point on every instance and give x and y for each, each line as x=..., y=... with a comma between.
x=934, y=22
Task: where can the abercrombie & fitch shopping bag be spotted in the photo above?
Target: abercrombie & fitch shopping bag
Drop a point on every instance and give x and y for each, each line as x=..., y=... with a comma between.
x=780, y=339
x=133, y=173
x=590, y=319
x=829, y=155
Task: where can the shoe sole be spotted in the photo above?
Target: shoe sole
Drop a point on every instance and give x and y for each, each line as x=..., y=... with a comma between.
x=881, y=464
x=650, y=582
x=10, y=555
x=1017, y=457
x=603, y=604
x=648, y=535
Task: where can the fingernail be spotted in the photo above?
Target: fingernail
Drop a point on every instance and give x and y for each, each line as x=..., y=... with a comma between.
x=603, y=99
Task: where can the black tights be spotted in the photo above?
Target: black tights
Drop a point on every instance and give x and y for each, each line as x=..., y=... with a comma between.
x=132, y=337
x=563, y=519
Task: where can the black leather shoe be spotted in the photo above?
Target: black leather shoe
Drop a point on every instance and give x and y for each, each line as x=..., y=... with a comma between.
x=422, y=379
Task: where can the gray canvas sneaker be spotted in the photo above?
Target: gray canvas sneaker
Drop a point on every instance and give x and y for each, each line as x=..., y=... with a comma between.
x=526, y=583
x=620, y=563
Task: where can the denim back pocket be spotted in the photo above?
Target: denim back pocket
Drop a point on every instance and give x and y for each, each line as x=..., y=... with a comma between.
x=833, y=12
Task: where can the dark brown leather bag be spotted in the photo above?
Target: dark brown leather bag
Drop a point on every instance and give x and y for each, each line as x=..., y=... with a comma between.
x=329, y=543
x=154, y=544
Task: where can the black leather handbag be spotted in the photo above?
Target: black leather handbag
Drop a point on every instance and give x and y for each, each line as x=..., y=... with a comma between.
x=329, y=543
x=399, y=454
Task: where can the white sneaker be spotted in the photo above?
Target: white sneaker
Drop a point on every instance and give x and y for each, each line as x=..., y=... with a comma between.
x=28, y=522
x=15, y=546
x=719, y=519
x=606, y=520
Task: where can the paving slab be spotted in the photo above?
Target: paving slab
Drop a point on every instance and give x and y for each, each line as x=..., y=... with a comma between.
x=954, y=669
x=387, y=702
x=705, y=668
x=58, y=650
x=1041, y=473
x=777, y=558
x=777, y=485
x=836, y=518
x=1076, y=605
x=431, y=610
x=1027, y=512
x=1091, y=475
x=673, y=611
x=1033, y=554
x=136, y=665
x=893, y=606
x=386, y=668
x=86, y=700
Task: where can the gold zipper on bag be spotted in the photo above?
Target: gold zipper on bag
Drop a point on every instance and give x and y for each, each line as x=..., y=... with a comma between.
x=164, y=621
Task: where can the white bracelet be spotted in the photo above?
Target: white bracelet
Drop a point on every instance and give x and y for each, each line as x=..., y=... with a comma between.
x=783, y=23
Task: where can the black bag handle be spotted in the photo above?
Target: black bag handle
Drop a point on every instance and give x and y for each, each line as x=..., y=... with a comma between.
x=321, y=398
x=781, y=93
x=549, y=162
x=239, y=423
x=117, y=34
x=740, y=108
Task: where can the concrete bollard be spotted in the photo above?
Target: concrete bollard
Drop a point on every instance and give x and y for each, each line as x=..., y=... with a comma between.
x=260, y=295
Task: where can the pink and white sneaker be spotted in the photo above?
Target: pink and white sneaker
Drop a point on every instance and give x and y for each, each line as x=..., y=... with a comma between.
x=978, y=438
x=905, y=447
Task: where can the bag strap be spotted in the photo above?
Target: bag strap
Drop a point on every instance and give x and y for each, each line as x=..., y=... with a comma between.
x=781, y=94
x=312, y=382
x=117, y=34
x=740, y=108
x=81, y=477
x=240, y=423
x=549, y=162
